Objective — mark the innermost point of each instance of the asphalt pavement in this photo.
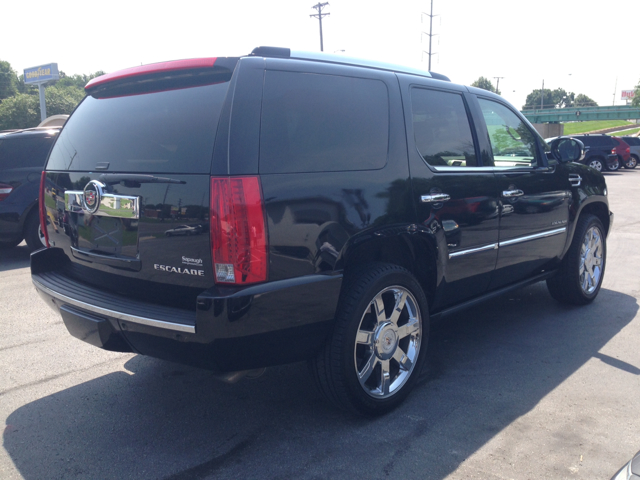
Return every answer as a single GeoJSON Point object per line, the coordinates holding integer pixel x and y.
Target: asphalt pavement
{"type": "Point", "coordinates": [519, 388]}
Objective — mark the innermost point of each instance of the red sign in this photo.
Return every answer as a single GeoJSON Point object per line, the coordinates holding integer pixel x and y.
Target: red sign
{"type": "Point", "coordinates": [628, 94]}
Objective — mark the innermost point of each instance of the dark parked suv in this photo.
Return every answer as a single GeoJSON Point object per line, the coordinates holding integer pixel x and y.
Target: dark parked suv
{"type": "Point", "coordinates": [346, 203]}
{"type": "Point", "coordinates": [600, 152]}
{"type": "Point", "coordinates": [22, 157]}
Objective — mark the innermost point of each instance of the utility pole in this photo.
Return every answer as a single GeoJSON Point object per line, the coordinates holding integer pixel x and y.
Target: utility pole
{"type": "Point", "coordinates": [319, 16]}
{"type": "Point", "coordinates": [430, 34]}
{"type": "Point", "coordinates": [614, 92]}
{"type": "Point", "coordinates": [498, 84]}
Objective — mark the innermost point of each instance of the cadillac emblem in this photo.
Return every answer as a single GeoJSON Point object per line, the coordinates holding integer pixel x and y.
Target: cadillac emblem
{"type": "Point", "coordinates": [92, 196]}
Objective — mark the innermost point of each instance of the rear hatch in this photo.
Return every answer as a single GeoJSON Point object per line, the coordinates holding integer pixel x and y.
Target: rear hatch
{"type": "Point", "coordinates": [127, 183]}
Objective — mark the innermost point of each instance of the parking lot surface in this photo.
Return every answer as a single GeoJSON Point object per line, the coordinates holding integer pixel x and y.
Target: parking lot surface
{"type": "Point", "coordinates": [519, 388]}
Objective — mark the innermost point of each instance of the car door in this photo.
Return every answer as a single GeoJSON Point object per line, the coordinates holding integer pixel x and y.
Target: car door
{"type": "Point", "coordinates": [534, 197]}
{"type": "Point", "coordinates": [453, 193]}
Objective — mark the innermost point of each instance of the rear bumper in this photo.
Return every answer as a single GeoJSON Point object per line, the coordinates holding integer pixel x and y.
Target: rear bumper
{"type": "Point", "coordinates": [229, 328]}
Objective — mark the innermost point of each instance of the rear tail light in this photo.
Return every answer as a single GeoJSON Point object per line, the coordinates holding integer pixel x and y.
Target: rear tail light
{"type": "Point", "coordinates": [238, 230]}
{"type": "Point", "coordinates": [5, 190]}
{"type": "Point", "coordinates": [43, 209]}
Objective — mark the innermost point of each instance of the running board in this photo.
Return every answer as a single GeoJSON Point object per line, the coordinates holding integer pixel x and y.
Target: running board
{"type": "Point", "coordinates": [490, 296]}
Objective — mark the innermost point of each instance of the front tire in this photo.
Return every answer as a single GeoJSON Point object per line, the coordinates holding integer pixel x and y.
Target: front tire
{"type": "Point", "coordinates": [632, 163]}
{"type": "Point", "coordinates": [377, 350]}
{"type": "Point", "coordinates": [582, 270]}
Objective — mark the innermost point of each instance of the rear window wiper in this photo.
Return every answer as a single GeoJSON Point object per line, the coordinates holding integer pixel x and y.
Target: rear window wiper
{"type": "Point", "coordinates": [133, 180]}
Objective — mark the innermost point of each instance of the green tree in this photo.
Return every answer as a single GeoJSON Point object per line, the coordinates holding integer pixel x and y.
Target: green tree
{"type": "Point", "coordinates": [23, 110]}
{"type": "Point", "coordinates": [20, 111]}
{"type": "Point", "coordinates": [557, 98]}
{"type": "Point", "coordinates": [583, 101]}
{"type": "Point", "coordinates": [636, 99]}
{"type": "Point", "coordinates": [8, 81]}
{"type": "Point", "coordinates": [485, 84]}
{"type": "Point", "coordinates": [78, 81]}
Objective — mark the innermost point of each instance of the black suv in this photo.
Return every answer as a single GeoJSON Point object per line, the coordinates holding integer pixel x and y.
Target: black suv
{"type": "Point", "coordinates": [599, 152]}
{"type": "Point", "coordinates": [344, 205]}
{"type": "Point", "coordinates": [22, 157]}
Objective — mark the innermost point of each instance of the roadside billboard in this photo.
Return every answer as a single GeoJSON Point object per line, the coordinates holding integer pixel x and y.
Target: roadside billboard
{"type": "Point", "coordinates": [628, 94]}
{"type": "Point", "coordinates": [41, 73]}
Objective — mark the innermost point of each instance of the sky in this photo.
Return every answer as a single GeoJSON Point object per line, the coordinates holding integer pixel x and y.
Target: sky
{"type": "Point", "coordinates": [577, 45]}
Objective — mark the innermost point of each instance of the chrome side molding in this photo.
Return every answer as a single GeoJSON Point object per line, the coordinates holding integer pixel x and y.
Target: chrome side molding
{"type": "Point", "coordinates": [506, 243]}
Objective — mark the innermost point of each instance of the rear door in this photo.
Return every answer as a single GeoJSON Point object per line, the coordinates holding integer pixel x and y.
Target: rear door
{"type": "Point", "coordinates": [454, 194]}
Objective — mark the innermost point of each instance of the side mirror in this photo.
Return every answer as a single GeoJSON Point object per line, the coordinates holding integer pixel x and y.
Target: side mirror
{"type": "Point", "coordinates": [566, 149]}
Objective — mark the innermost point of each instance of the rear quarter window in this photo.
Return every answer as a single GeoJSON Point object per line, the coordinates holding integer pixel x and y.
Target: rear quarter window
{"type": "Point", "coordinates": [23, 152]}
{"type": "Point", "coordinates": [323, 123]}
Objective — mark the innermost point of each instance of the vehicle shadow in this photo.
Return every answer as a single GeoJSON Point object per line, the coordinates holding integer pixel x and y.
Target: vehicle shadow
{"type": "Point", "coordinates": [16, 257]}
{"type": "Point", "coordinates": [487, 367]}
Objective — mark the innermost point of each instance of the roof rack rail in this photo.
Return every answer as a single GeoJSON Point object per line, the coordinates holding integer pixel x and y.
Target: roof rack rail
{"type": "Point", "coordinates": [279, 52]}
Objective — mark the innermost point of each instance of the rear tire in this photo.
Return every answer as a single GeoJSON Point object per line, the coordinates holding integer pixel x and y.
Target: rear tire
{"type": "Point", "coordinates": [596, 164]}
{"type": "Point", "coordinates": [615, 166]}
{"type": "Point", "coordinates": [33, 233]}
{"type": "Point", "coordinates": [378, 347]}
{"type": "Point", "coordinates": [582, 270]}
{"type": "Point", "coordinates": [632, 163]}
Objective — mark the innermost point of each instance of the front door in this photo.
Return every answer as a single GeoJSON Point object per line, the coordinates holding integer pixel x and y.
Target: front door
{"type": "Point", "coordinates": [534, 197]}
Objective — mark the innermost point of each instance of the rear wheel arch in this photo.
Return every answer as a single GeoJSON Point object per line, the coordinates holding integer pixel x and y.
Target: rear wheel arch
{"type": "Point", "coordinates": [414, 252]}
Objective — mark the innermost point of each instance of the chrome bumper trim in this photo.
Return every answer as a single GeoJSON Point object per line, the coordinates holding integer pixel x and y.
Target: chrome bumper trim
{"type": "Point", "coordinates": [118, 315]}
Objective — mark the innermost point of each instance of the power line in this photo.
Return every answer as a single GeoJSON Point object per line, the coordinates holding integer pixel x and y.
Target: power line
{"type": "Point", "coordinates": [320, 16]}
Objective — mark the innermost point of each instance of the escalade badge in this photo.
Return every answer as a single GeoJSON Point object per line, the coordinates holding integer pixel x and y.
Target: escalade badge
{"type": "Point", "coordinates": [92, 195]}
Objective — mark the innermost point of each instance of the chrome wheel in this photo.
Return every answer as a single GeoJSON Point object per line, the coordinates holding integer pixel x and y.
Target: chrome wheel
{"type": "Point", "coordinates": [591, 260]}
{"type": "Point", "coordinates": [388, 342]}
{"type": "Point", "coordinates": [596, 164]}
{"type": "Point", "coordinates": [632, 162]}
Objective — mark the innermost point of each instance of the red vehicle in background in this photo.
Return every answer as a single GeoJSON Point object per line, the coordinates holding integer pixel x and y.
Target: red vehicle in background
{"type": "Point", "coordinates": [624, 153]}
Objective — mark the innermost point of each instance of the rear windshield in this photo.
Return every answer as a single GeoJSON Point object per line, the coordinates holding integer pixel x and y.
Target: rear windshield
{"type": "Point", "coordinates": [169, 131]}
{"type": "Point", "coordinates": [25, 151]}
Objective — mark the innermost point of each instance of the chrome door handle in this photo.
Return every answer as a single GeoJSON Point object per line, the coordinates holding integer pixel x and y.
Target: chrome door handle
{"type": "Point", "coordinates": [575, 179]}
{"type": "Point", "coordinates": [435, 198]}
{"type": "Point", "coordinates": [512, 193]}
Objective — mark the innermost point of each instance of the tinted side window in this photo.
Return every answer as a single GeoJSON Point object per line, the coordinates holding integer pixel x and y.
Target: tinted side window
{"type": "Point", "coordinates": [632, 140]}
{"type": "Point", "coordinates": [513, 144]}
{"type": "Point", "coordinates": [323, 123]}
{"type": "Point", "coordinates": [441, 128]}
{"type": "Point", "coordinates": [24, 152]}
